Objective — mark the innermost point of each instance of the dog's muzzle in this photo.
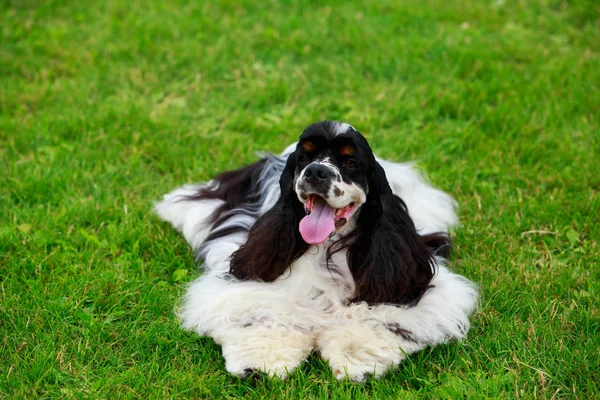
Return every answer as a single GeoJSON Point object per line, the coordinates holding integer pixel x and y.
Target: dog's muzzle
{"type": "Point", "coordinates": [317, 179]}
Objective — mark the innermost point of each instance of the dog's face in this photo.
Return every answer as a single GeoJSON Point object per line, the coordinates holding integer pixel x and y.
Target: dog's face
{"type": "Point", "coordinates": [330, 178]}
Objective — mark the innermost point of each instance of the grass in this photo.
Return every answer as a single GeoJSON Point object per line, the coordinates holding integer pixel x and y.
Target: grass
{"type": "Point", "coordinates": [105, 106]}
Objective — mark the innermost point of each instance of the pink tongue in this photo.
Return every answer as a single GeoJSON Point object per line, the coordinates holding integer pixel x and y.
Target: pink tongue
{"type": "Point", "coordinates": [316, 227]}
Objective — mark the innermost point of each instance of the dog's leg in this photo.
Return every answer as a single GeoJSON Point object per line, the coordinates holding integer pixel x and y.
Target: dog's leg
{"type": "Point", "coordinates": [357, 349]}
{"type": "Point", "coordinates": [367, 340]}
{"type": "Point", "coordinates": [259, 325]}
{"type": "Point", "coordinates": [274, 350]}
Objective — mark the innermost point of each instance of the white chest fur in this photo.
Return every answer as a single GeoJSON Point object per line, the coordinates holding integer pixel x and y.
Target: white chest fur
{"type": "Point", "coordinates": [319, 282]}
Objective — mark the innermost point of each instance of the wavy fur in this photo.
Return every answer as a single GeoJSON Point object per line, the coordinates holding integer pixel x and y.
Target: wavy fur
{"type": "Point", "coordinates": [371, 294]}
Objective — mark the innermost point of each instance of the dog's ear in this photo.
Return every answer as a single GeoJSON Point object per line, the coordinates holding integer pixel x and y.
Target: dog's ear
{"type": "Point", "coordinates": [389, 261]}
{"type": "Point", "coordinates": [274, 242]}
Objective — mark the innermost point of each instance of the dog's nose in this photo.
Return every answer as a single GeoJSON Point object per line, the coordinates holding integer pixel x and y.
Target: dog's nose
{"type": "Point", "coordinates": [318, 172]}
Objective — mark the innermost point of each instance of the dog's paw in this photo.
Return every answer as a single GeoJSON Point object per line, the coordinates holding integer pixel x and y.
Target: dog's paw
{"type": "Point", "coordinates": [257, 371]}
{"type": "Point", "coordinates": [275, 351]}
{"type": "Point", "coordinates": [358, 352]}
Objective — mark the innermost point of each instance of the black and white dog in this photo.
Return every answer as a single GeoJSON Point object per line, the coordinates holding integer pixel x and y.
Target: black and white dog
{"type": "Point", "coordinates": [323, 248]}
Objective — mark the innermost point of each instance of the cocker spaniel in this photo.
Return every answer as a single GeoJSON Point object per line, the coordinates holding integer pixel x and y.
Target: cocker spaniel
{"type": "Point", "coordinates": [324, 248]}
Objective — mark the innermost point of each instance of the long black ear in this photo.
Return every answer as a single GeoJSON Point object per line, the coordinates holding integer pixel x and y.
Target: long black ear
{"type": "Point", "coordinates": [389, 261]}
{"type": "Point", "coordinates": [274, 242]}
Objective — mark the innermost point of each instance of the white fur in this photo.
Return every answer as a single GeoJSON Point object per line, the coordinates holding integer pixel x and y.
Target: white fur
{"type": "Point", "coordinates": [188, 217]}
{"type": "Point", "coordinates": [274, 326]}
{"type": "Point", "coordinates": [430, 209]}
{"type": "Point", "coordinates": [342, 127]}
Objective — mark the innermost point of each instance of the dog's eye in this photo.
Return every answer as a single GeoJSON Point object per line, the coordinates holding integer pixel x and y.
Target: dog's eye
{"type": "Point", "coordinates": [351, 164]}
{"type": "Point", "coordinates": [309, 147]}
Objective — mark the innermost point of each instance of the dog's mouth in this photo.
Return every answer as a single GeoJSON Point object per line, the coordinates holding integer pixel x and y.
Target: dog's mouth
{"type": "Point", "coordinates": [322, 220]}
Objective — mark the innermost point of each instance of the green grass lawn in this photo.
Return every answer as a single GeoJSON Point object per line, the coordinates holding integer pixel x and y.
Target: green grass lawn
{"type": "Point", "coordinates": [107, 105]}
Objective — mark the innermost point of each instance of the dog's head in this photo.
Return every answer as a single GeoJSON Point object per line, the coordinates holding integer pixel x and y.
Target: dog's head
{"type": "Point", "coordinates": [332, 184]}
{"type": "Point", "coordinates": [331, 178]}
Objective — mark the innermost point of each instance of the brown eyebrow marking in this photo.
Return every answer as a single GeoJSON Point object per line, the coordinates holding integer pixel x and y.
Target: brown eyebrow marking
{"type": "Point", "coordinates": [347, 150]}
{"type": "Point", "coordinates": [309, 147]}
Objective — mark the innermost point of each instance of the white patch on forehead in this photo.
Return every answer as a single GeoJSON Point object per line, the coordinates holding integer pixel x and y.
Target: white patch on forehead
{"type": "Point", "coordinates": [342, 127]}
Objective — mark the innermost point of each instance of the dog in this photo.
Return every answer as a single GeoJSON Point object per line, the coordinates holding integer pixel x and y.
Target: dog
{"type": "Point", "coordinates": [324, 248]}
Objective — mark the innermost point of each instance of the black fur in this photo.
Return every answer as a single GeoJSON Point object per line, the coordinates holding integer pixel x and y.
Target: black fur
{"type": "Point", "coordinates": [240, 191]}
{"type": "Point", "coordinates": [274, 242]}
{"type": "Point", "coordinates": [233, 187]}
{"type": "Point", "coordinates": [389, 261]}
